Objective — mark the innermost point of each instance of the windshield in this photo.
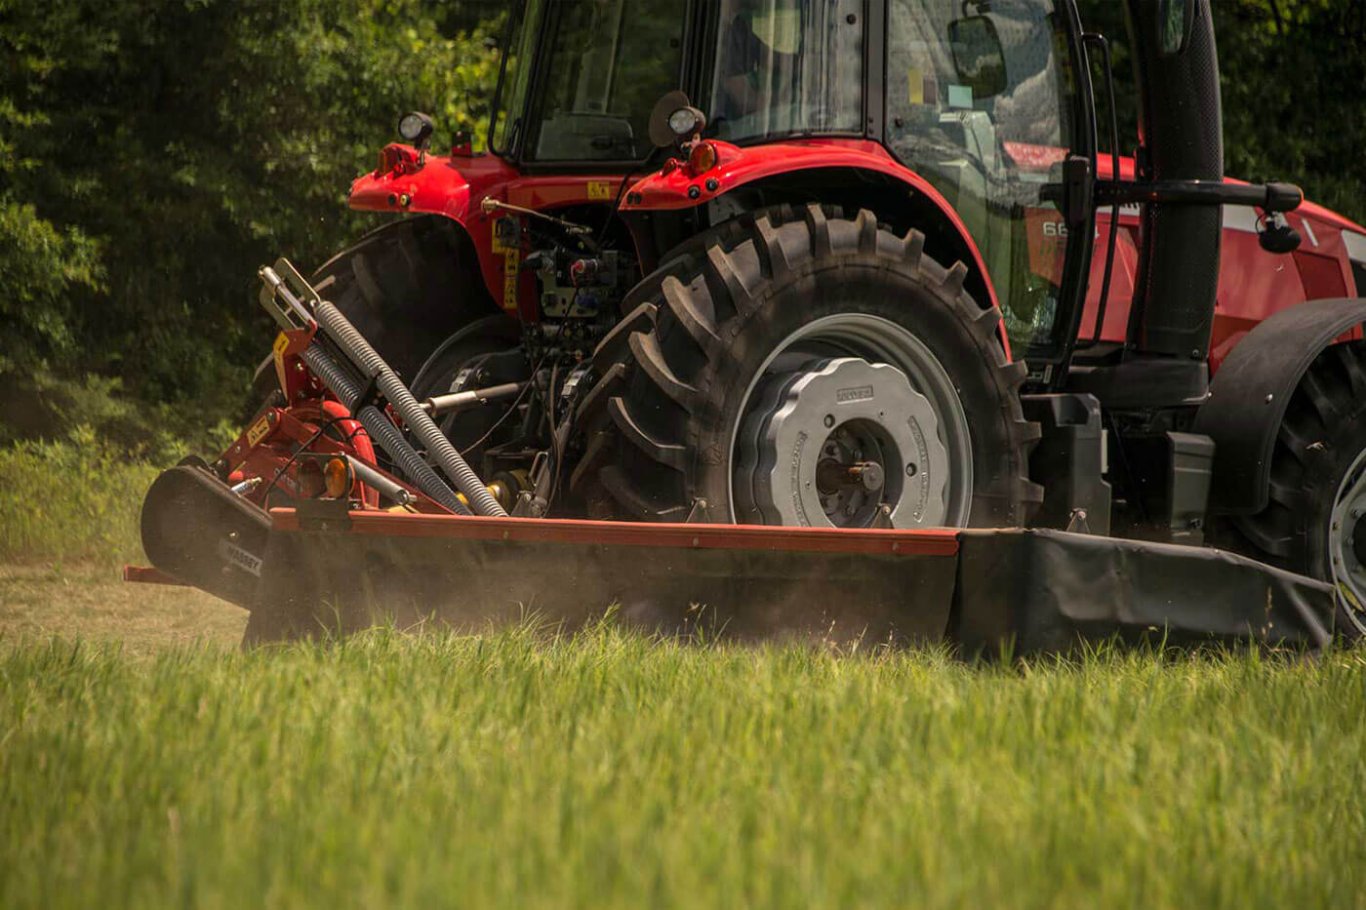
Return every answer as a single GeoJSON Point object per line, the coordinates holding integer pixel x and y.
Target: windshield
{"type": "Point", "coordinates": [607, 63]}
{"type": "Point", "coordinates": [788, 66]}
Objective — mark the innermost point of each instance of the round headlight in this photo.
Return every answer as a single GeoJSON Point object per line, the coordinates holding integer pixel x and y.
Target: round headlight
{"type": "Point", "coordinates": [686, 121]}
{"type": "Point", "coordinates": [415, 127]}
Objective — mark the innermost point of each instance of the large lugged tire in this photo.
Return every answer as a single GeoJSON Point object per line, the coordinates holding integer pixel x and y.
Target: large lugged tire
{"type": "Point", "coordinates": [407, 287]}
{"type": "Point", "coordinates": [724, 381]}
{"type": "Point", "coordinates": [1315, 519]}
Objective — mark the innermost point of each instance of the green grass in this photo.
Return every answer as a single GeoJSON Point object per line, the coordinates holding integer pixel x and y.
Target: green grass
{"type": "Point", "coordinates": [76, 499]}
{"type": "Point", "coordinates": [145, 762]}
{"type": "Point", "coordinates": [607, 770]}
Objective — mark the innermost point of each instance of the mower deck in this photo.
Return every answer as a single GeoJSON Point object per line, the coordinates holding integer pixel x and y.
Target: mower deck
{"type": "Point", "coordinates": [323, 570]}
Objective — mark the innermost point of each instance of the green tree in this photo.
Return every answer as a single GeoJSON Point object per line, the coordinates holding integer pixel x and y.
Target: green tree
{"type": "Point", "coordinates": [1291, 75]}
{"type": "Point", "coordinates": [153, 153]}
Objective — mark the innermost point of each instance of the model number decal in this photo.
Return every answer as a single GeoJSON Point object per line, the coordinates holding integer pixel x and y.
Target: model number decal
{"type": "Point", "coordinates": [234, 555]}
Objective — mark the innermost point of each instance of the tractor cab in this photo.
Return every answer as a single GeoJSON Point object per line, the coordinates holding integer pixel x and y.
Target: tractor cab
{"type": "Point", "coordinates": [979, 100]}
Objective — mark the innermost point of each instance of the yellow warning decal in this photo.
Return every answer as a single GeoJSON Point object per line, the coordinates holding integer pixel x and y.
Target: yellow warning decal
{"type": "Point", "coordinates": [511, 263]}
{"type": "Point", "coordinates": [600, 190]}
{"type": "Point", "coordinates": [277, 351]}
{"type": "Point", "coordinates": [497, 244]}
{"type": "Point", "coordinates": [259, 430]}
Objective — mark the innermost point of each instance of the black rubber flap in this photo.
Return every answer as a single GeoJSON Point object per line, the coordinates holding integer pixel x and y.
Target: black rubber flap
{"type": "Point", "coordinates": [316, 581]}
{"type": "Point", "coordinates": [197, 530]}
{"type": "Point", "coordinates": [1045, 590]}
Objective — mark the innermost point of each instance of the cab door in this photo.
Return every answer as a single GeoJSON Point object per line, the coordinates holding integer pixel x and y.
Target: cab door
{"type": "Point", "coordinates": [988, 101]}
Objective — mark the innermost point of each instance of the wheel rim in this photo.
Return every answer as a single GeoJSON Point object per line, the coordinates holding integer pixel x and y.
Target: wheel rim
{"type": "Point", "coordinates": [1347, 541]}
{"type": "Point", "coordinates": [851, 421]}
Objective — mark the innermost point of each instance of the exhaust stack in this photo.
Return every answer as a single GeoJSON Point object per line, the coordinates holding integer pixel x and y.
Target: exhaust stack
{"type": "Point", "coordinates": [1181, 135]}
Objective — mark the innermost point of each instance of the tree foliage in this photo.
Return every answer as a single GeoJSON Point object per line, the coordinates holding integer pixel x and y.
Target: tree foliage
{"type": "Point", "coordinates": [154, 153]}
{"type": "Point", "coordinates": [1291, 77]}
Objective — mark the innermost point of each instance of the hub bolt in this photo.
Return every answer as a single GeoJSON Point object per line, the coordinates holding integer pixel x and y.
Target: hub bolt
{"type": "Point", "coordinates": [911, 470]}
{"type": "Point", "coordinates": [829, 421]}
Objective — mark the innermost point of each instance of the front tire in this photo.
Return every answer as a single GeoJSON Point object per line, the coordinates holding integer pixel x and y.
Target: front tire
{"type": "Point", "coordinates": [1314, 522]}
{"type": "Point", "coordinates": [802, 369]}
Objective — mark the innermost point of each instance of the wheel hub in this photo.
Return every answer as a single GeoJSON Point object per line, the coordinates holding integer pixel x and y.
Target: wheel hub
{"type": "Point", "coordinates": [1347, 538]}
{"type": "Point", "coordinates": [836, 442]}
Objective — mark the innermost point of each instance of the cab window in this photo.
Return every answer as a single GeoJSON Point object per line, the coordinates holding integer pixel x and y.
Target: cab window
{"type": "Point", "coordinates": [609, 62]}
{"type": "Point", "coordinates": [787, 67]}
{"type": "Point", "coordinates": [979, 102]}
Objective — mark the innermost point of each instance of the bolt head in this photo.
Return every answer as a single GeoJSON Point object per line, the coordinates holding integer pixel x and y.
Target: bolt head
{"type": "Point", "coordinates": [829, 421]}
{"type": "Point", "coordinates": [912, 470]}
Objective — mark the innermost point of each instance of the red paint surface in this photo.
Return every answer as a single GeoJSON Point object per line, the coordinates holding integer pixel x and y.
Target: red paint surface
{"type": "Point", "coordinates": [455, 187]}
{"type": "Point", "coordinates": [149, 575]}
{"type": "Point", "coordinates": [668, 188]}
{"type": "Point", "coordinates": [1253, 284]}
{"type": "Point", "coordinates": [933, 542]}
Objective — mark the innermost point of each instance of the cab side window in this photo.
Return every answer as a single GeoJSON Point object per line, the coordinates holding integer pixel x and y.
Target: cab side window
{"type": "Point", "coordinates": [979, 102]}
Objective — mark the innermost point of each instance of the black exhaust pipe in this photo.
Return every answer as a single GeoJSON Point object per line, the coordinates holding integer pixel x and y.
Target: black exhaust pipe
{"type": "Point", "coordinates": [1181, 135]}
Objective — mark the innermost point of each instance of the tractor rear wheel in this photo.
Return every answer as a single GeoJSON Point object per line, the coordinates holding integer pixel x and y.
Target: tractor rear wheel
{"type": "Point", "coordinates": [814, 370]}
{"type": "Point", "coordinates": [1314, 522]}
{"type": "Point", "coordinates": [407, 287]}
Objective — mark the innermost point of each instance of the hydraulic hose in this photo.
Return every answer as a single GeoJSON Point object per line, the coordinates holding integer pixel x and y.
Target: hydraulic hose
{"type": "Point", "coordinates": [382, 430]}
{"type": "Point", "coordinates": [354, 345]}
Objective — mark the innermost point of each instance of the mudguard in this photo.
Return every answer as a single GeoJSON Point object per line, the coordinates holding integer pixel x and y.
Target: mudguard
{"type": "Point", "coordinates": [674, 187]}
{"type": "Point", "coordinates": [1252, 390]}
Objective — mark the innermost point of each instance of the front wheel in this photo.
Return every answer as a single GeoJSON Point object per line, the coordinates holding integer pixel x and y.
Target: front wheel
{"type": "Point", "coordinates": [1314, 522]}
{"type": "Point", "coordinates": [816, 371]}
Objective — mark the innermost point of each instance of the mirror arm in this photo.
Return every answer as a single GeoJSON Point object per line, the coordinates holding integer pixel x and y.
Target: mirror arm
{"type": "Point", "coordinates": [1270, 197]}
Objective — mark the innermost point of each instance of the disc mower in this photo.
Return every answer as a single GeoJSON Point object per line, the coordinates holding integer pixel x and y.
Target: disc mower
{"type": "Point", "coordinates": [844, 318]}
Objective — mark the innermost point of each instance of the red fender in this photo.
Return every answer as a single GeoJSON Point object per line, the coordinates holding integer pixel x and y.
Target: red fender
{"type": "Point", "coordinates": [453, 186]}
{"type": "Point", "coordinates": [675, 187]}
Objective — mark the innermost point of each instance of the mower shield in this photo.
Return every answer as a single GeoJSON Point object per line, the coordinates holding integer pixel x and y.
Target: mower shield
{"type": "Point", "coordinates": [324, 570]}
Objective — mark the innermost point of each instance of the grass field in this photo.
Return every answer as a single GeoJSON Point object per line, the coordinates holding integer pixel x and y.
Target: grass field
{"type": "Point", "coordinates": [146, 762]}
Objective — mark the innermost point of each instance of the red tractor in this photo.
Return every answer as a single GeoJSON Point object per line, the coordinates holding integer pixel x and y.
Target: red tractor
{"type": "Point", "coordinates": [845, 264]}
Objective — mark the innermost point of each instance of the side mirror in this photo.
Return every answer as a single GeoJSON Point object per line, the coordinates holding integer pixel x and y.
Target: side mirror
{"type": "Point", "coordinates": [1275, 235]}
{"type": "Point", "coordinates": [978, 56]}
